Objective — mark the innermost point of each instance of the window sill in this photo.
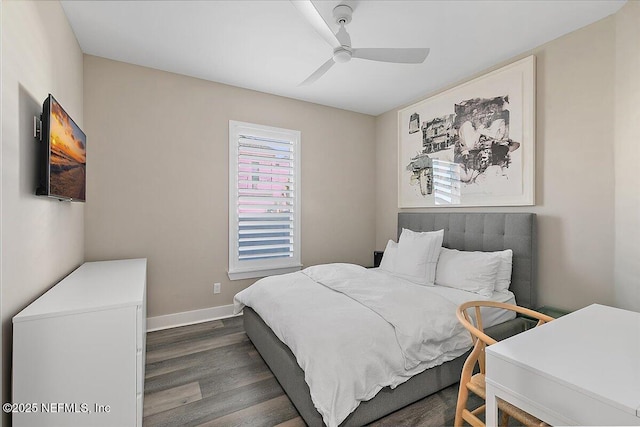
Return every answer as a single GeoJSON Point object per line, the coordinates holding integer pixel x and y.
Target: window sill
{"type": "Point", "coordinates": [239, 275]}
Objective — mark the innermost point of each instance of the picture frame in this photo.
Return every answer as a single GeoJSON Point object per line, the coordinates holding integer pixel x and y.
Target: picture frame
{"type": "Point", "coordinates": [472, 145]}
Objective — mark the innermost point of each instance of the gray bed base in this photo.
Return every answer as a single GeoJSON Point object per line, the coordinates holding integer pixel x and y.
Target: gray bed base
{"type": "Point", "coordinates": [463, 231]}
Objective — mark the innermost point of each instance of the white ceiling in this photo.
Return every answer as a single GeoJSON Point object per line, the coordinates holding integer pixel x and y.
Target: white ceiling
{"type": "Point", "coordinates": [268, 46]}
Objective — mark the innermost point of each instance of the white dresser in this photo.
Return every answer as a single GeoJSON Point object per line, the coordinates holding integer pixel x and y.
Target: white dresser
{"type": "Point", "coordinates": [79, 349]}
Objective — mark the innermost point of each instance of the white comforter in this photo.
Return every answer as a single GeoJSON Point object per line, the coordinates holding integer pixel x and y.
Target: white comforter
{"type": "Point", "coordinates": [354, 331]}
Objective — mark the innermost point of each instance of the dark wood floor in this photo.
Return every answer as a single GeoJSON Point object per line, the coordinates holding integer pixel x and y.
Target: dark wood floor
{"type": "Point", "coordinates": [211, 375]}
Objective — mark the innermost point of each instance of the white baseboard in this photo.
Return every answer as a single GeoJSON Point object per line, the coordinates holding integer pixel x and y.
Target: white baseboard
{"type": "Point", "coordinates": [189, 317]}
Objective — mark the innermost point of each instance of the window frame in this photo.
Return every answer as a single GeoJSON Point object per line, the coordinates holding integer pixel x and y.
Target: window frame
{"type": "Point", "coordinates": [261, 268]}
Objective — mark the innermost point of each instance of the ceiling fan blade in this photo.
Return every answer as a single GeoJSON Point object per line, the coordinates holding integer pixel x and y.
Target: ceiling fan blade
{"type": "Point", "coordinates": [311, 14]}
{"type": "Point", "coordinates": [401, 55]}
{"type": "Point", "coordinates": [318, 73]}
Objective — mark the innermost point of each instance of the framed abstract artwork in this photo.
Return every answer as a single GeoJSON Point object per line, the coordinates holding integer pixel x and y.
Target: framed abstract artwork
{"type": "Point", "coordinates": [473, 145]}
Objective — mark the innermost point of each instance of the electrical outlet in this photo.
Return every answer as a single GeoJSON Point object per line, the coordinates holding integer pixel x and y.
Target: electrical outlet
{"type": "Point", "coordinates": [216, 288]}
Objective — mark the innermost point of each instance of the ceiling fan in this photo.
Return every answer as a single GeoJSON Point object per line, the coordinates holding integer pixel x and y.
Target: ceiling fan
{"type": "Point", "coordinates": [341, 41]}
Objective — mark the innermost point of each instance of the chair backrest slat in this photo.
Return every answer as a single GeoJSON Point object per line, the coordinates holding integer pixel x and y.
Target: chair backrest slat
{"type": "Point", "coordinates": [475, 326]}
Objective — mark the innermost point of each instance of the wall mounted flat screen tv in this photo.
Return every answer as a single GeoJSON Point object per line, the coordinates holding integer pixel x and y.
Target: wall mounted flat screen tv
{"type": "Point", "coordinates": [63, 155]}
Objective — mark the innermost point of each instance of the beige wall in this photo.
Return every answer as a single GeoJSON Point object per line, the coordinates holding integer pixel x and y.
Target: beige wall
{"type": "Point", "coordinates": [158, 178]}
{"type": "Point", "coordinates": [574, 168]}
{"type": "Point", "coordinates": [627, 157]}
{"type": "Point", "coordinates": [42, 239]}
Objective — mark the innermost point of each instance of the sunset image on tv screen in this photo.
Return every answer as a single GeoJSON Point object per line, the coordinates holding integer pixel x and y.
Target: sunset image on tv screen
{"type": "Point", "coordinates": [67, 157]}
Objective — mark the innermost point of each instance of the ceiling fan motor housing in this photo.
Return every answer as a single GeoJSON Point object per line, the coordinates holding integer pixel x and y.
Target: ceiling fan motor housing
{"type": "Point", "coordinates": [342, 55]}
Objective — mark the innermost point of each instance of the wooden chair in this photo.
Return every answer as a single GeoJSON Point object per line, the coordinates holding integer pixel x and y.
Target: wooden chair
{"type": "Point", "coordinates": [476, 383]}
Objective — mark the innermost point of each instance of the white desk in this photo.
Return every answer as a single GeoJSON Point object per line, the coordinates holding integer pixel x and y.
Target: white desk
{"type": "Point", "coordinates": [581, 369]}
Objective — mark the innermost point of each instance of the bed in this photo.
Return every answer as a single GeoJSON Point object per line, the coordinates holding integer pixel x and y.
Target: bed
{"type": "Point", "coordinates": [462, 231]}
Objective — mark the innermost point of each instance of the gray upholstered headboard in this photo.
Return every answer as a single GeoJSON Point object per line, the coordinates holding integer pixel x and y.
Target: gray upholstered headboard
{"type": "Point", "coordinates": [487, 232]}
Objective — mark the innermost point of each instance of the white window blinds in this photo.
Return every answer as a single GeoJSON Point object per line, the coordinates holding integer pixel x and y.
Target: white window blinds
{"type": "Point", "coordinates": [264, 231]}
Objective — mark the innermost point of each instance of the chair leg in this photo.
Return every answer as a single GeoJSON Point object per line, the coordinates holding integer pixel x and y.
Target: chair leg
{"type": "Point", "coordinates": [504, 419]}
{"type": "Point", "coordinates": [463, 394]}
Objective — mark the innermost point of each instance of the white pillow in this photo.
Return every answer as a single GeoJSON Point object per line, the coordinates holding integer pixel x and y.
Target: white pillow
{"type": "Point", "coordinates": [417, 255]}
{"type": "Point", "coordinates": [503, 278]}
{"type": "Point", "coordinates": [388, 262]}
{"type": "Point", "coordinates": [469, 271]}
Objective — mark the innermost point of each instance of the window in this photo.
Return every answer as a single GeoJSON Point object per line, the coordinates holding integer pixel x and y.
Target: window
{"type": "Point", "coordinates": [264, 200]}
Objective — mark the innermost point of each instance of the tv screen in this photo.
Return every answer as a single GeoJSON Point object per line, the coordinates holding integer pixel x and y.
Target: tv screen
{"type": "Point", "coordinates": [63, 154]}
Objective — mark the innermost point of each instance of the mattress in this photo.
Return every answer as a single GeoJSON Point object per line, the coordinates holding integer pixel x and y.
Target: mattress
{"type": "Point", "coordinates": [397, 329]}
